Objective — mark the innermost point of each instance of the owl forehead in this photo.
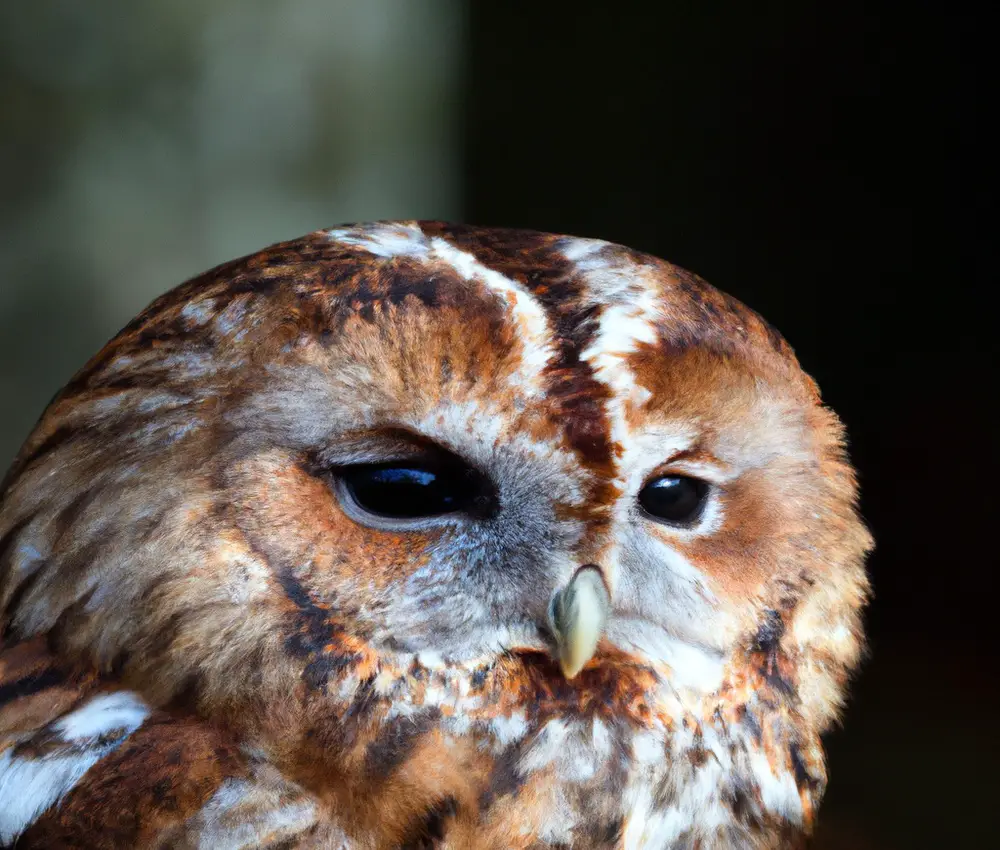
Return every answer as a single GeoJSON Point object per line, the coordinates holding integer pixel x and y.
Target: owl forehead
{"type": "Point", "coordinates": [592, 340]}
{"type": "Point", "coordinates": [600, 337]}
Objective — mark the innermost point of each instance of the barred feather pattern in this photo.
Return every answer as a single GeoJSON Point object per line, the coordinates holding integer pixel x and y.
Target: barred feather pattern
{"type": "Point", "coordinates": [204, 645]}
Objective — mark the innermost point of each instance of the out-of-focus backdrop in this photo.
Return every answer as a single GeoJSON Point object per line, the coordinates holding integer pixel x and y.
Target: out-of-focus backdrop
{"type": "Point", "coordinates": [142, 143]}
{"type": "Point", "coordinates": [824, 163]}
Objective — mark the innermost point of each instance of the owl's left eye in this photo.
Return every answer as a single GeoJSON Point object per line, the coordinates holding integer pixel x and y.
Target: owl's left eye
{"type": "Point", "coordinates": [675, 499]}
{"type": "Point", "coordinates": [410, 491]}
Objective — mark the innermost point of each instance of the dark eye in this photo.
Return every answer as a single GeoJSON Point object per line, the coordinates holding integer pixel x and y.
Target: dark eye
{"type": "Point", "coordinates": [410, 491]}
{"type": "Point", "coordinates": [676, 499]}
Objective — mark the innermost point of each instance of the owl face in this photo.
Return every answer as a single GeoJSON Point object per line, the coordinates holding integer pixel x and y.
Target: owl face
{"type": "Point", "coordinates": [495, 536]}
{"type": "Point", "coordinates": [407, 440]}
{"type": "Point", "coordinates": [431, 478]}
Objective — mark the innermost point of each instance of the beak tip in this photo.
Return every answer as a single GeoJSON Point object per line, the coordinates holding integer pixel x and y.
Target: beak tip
{"type": "Point", "coordinates": [578, 615]}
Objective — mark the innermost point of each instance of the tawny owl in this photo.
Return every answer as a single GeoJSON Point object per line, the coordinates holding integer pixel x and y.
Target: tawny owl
{"type": "Point", "coordinates": [420, 535]}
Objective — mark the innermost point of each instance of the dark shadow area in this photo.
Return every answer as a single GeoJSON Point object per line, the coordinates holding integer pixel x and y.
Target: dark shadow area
{"type": "Point", "coordinates": [827, 167]}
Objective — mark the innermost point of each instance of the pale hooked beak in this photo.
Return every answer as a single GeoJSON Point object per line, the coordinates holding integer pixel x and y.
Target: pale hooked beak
{"type": "Point", "coordinates": [578, 614]}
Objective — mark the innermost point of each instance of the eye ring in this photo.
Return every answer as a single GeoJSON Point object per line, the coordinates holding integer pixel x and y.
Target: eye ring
{"type": "Point", "coordinates": [674, 500]}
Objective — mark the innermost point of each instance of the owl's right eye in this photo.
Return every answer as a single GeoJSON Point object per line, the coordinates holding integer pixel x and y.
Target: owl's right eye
{"type": "Point", "coordinates": [411, 491]}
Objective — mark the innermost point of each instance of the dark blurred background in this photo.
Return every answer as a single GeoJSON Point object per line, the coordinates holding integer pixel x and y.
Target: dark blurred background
{"type": "Point", "coordinates": [828, 166]}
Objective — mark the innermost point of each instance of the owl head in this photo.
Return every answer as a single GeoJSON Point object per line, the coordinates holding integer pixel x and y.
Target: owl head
{"type": "Point", "coordinates": [418, 440]}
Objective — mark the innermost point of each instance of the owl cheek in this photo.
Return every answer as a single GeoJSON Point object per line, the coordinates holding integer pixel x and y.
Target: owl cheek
{"type": "Point", "coordinates": [731, 569]}
{"type": "Point", "coordinates": [742, 551]}
{"type": "Point", "coordinates": [292, 519]}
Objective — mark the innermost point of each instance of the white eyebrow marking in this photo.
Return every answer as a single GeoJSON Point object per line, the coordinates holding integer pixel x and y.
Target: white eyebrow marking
{"type": "Point", "coordinates": [529, 315]}
{"type": "Point", "coordinates": [630, 293]}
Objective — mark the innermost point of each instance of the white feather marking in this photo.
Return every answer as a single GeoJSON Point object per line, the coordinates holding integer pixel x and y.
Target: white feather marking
{"type": "Point", "coordinates": [546, 747]}
{"type": "Point", "coordinates": [245, 814]}
{"type": "Point", "coordinates": [690, 666]}
{"type": "Point", "coordinates": [600, 739]}
{"type": "Point", "coordinates": [639, 803]}
{"type": "Point", "coordinates": [528, 313]}
{"type": "Point", "coordinates": [385, 240]}
{"type": "Point", "coordinates": [458, 724]}
{"type": "Point", "coordinates": [430, 659]}
{"type": "Point", "coordinates": [199, 312]}
{"type": "Point", "coordinates": [394, 240]}
{"type": "Point", "coordinates": [577, 250]}
{"type": "Point", "coordinates": [507, 729]}
{"type": "Point", "coordinates": [120, 710]}
{"type": "Point", "coordinates": [632, 295]}
{"type": "Point", "coordinates": [434, 695]}
{"type": "Point", "coordinates": [778, 793]}
{"type": "Point", "coordinates": [401, 708]}
{"type": "Point", "coordinates": [31, 785]}
{"type": "Point", "coordinates": [648, 748]}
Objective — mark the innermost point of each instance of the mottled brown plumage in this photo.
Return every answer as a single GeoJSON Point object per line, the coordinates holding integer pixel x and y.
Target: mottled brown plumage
{"type": "Point", "coordinates": [210, 640]}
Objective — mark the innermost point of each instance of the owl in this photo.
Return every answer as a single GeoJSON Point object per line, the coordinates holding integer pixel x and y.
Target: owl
{"type": "Point", "coordinates": [413, 535]}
